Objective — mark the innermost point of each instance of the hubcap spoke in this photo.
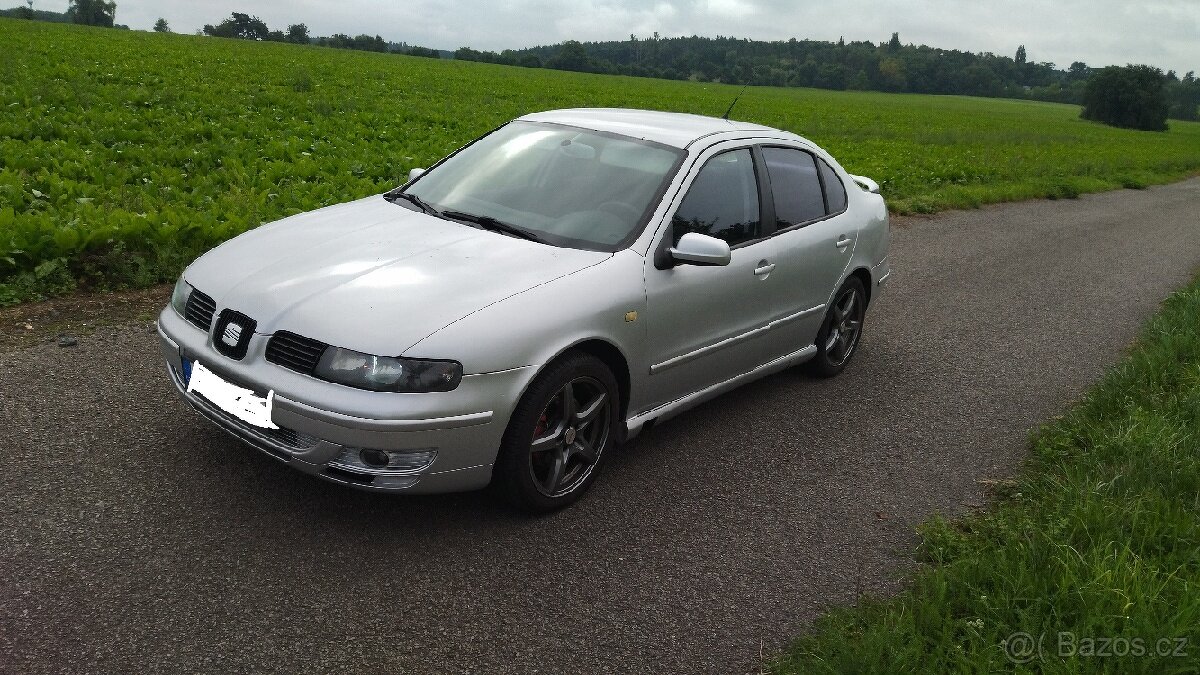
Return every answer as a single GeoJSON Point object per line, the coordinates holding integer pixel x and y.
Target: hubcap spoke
{"type": "Point", "coordinates": [568, 401]}
{"type": "Point", "coordinates": [548, 441]}
{"type": "Point", "coordinates": [584, 450]}
{"type": "Point", "coordinates": [555, 472]}
{"type": "Point", "coordinates": [849, 303]}
{"type": "Point", "coordinates": [585, 416]}
{"type": "Point", "coordinates": [833, 339]}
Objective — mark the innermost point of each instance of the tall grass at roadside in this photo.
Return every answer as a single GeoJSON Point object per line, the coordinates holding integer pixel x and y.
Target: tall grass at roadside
{"type": "Point", "coordinates": [1089, 560]}
{"type": "Point", "coordinates": [124, 154]}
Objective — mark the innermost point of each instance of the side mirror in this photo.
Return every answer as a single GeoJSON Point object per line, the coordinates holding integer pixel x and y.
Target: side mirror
{"type": "Point", "coordinates": [415, 173]}
{"type": "Point", "coordinates": [700, 249]}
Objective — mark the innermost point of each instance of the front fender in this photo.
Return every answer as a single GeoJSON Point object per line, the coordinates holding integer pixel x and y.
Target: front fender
{"type": "Point", "coordinates": [532, 327]}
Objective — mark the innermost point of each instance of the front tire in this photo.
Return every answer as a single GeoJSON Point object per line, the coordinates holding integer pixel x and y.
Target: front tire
{"type": "Point", "coordinates": [558, 435]}
{"type": "Point", "coordinates": [839, 335]}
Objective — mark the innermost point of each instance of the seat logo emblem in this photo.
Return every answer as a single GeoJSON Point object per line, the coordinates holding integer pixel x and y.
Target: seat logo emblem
{"type": "Point", "coordinates": [232, 334]}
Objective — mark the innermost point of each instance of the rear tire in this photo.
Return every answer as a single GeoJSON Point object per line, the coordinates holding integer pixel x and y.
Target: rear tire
{"type": "Point", "coordinates": [558, 435]}
{"type": "Point", "coordinates": [838, 338]}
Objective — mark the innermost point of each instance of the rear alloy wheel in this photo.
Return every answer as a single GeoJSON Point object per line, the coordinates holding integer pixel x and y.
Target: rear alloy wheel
{"type": "Point", "coordinates": [558, 435]}
{"type": "Point", "coordinates": [839, 335]}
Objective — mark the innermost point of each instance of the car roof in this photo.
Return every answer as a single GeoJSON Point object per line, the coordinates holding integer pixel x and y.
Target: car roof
{"type": "Point", "coordinates": [675, 129]}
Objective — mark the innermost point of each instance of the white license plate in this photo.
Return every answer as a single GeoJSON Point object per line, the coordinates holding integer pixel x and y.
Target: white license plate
{"type": "Point", "coordinates": [237, 401]}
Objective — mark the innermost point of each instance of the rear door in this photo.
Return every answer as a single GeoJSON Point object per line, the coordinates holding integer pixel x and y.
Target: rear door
{"type": "Point", "coordinates": [814, 237]}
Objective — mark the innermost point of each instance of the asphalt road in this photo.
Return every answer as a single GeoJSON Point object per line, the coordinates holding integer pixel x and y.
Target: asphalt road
{"type": "Point", "coordinates": [136, 537]}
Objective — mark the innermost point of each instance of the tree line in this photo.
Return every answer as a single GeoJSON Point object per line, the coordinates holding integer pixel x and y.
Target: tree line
{"type": "Point", "coordinates": [246, 27]}
{"type": "Point", "coordinates": [888, 66]}
{"type": "Point", "coordinates": [85, 12]}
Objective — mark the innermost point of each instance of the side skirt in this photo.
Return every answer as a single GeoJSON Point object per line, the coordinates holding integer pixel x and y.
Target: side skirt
{"type": "Point", "coordinates": [636, 423]}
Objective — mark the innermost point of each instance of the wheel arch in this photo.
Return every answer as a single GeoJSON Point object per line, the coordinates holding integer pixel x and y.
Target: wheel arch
{"type": "Point", "coordinates": [864, 275]}
{"type": "Point", "coordinates": [611, 356]}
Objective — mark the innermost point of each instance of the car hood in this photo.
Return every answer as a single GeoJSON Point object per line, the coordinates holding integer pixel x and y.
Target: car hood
{"type": "Point", "coordinates": [373, 276]}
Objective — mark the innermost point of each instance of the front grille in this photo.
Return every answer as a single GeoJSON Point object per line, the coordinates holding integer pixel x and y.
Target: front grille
{"type": "Point", "coordinates": [231, 335]}
{"type": "Point", "coordinates": [292, 438]}
{"type": "Point", "coordinates": [199, 310]}
{"type": "Point", "coordinates": [296, 352]}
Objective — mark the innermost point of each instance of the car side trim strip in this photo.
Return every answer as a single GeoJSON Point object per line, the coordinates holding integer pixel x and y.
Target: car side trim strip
{"type": "Point", "coordinates": [635, 423]}
{"type": "Point", "coordinates": [730, 341]}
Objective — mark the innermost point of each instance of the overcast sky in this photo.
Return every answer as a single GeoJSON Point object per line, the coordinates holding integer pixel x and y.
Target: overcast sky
{"type": "Point", "coordinates": [1163, 33]}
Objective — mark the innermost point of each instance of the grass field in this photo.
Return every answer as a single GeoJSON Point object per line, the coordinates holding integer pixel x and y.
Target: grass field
{"type": "Point", "coordinates": [1089, 561]}
{"type": "Point", "coordinates": [124, 154]}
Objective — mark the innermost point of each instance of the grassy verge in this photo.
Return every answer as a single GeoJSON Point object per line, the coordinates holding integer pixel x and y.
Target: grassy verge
{"type": "Point", "coordinates": [125, 154]}
{"type": "Point", "coordinates": [1089, 560]}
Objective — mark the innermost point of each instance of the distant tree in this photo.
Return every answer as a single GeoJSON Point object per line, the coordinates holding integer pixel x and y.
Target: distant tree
{"type": "Point", "coordinates": [830, 76]}
{"type": "Point", "coordinates": [571, 56]}
{"type": "Point", "coordinates": [893, 45]}
{"type": "Point", "coordinates": [240, 25]}
{"type": "Point", "coordinates": [466, 54]}
{"type": "Point", "coordinates": [297, 33]}
{"type": "Point", "coordinates": [1131, 97]}
{"type": "Point", "coordinates": [892, 74]}
{"type": "Point", "coordinates": [529, 61]}
{"type": "Point", "coordinates": [24, 12]}
{"type": "Point", "coordinates": [1183, 95]}
{"type": "Point", "coordinates": [92, 12]}
{"type": "Point", "coordinates": [1078, 71]}
{"type": "Point", "coordinates": [161, 26]}
{"type": "Point", "coordinates": [424, 51]}
{"type": "Point", "coordinates": [1020, 59]}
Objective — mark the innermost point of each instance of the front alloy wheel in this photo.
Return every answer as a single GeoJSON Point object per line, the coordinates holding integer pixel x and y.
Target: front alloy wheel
{"type": "Point", "coordinates": [558, 434]}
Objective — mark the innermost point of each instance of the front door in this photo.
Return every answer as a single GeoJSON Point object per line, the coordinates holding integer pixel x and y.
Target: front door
{"type": "Point", "coordinates": [705, 324]}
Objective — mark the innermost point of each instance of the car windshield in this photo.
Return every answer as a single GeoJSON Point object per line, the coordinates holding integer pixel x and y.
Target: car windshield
{"type": "Point", "coordinates": [563, 185]}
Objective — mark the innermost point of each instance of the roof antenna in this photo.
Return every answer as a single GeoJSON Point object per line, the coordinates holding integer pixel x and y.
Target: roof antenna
{"type": "Point", "coordinates": [735, 100]}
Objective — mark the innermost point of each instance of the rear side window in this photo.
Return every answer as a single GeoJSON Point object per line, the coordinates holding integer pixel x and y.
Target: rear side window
{"type": "Point", "coordinates": [796, 186]}
{"type": "Point", "coordinates": [835, 190]}
{"type": "Point", "coordinates": [722, 201]}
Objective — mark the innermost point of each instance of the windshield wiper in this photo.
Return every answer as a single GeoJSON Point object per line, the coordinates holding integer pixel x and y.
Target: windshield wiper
{"type": "Point", "coordinates": [490, 223]}
{"type": "Point", "coordinates": [414, 200]}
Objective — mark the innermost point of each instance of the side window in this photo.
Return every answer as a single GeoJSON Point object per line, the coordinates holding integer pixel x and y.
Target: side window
{"type": "Point", "coordinates": [722, 201]}
{"type": "Point", "coordinates": [835, 190]}
{"type": "Point", "coordinates": [794, 182]}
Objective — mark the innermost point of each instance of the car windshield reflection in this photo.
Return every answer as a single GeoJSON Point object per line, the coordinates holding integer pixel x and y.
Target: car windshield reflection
{"type": "Point", "coordinates": [567, 186]}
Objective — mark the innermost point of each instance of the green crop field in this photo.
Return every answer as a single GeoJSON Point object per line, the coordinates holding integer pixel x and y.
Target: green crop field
{"type": "Point", "coordinates": [123, 154]}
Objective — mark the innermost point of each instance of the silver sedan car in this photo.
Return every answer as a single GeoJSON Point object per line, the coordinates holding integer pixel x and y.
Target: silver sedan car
{"type": "Point", "coordinates": [545, 292]}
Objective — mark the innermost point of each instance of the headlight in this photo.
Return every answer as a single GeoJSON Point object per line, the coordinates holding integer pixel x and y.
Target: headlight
{"type": "Point", "coordinates": [179, 296]}
{"type": "Point", "coordinates": [385, 373]}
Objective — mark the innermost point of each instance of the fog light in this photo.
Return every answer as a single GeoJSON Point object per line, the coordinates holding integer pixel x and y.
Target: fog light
{"type": "Point", "coordinates": [374, 458]}
{"type": "Point", "coordinates": [384, 462]}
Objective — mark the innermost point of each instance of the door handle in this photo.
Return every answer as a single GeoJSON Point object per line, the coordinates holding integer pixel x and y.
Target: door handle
{"type": "Point", "coordinates": [843, 241]}
{"type": "Point", "coordinates": [763, 268]}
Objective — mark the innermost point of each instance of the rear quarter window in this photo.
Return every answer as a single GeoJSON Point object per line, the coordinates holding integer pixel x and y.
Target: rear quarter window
{"type": "Point", "coordinates": [835, 189]}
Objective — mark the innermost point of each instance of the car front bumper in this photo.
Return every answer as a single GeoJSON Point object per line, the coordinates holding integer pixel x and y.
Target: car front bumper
{"type": "Point", "coordinates": [318, 438]}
